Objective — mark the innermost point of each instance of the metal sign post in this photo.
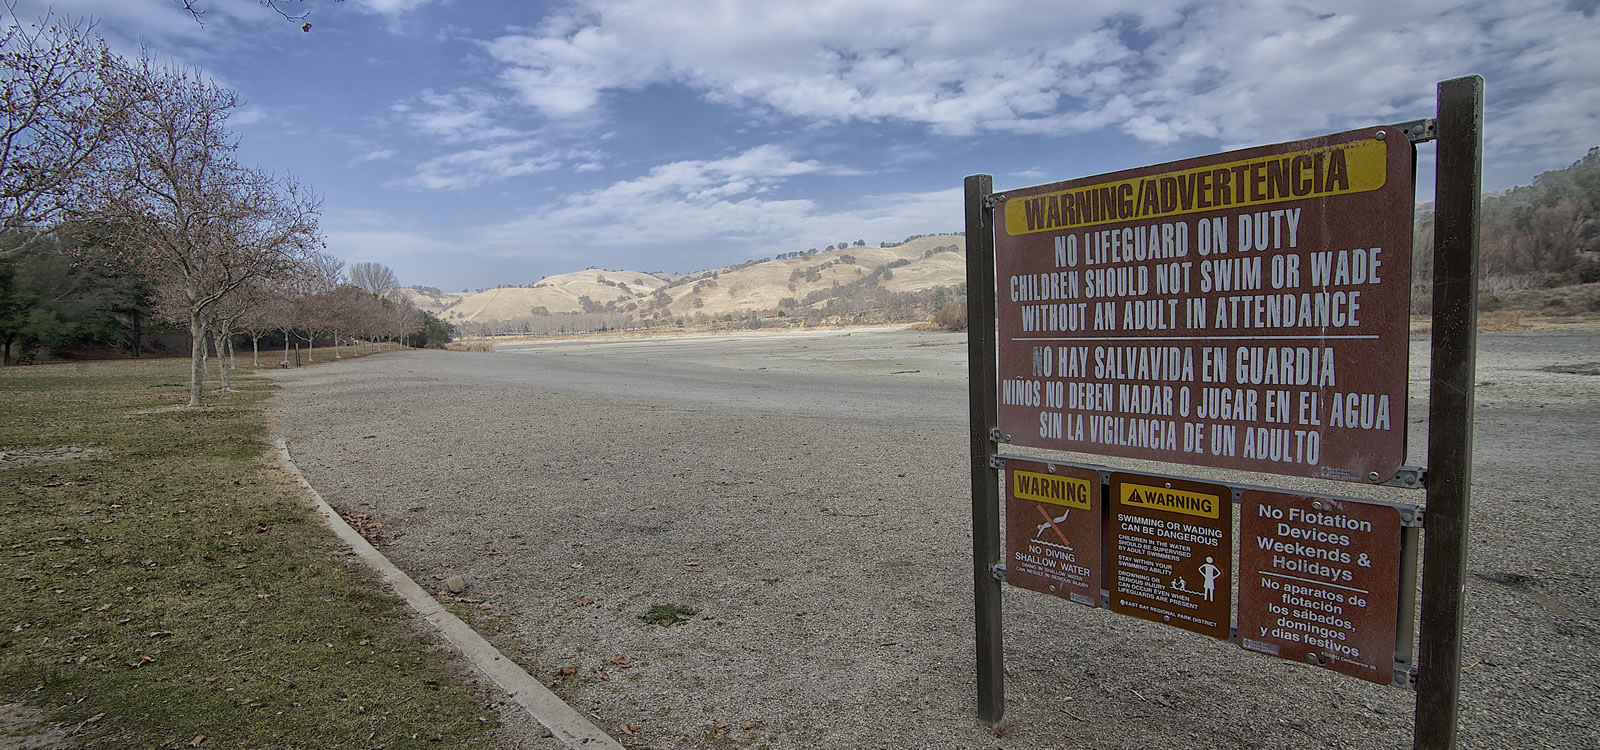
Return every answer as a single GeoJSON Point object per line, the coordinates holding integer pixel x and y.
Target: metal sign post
{"type": "Point", "coordinates": [1458, 196]}
{"type": "Point", "coordinates": [981, 380]}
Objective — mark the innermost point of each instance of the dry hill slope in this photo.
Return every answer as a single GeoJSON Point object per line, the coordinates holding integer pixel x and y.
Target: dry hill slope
{"type": "Point", "coordinates": [899, 282]}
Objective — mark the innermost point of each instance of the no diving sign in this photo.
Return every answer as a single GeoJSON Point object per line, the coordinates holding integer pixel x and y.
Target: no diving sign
{"type": "Point", "coordinates": [1053, 530]}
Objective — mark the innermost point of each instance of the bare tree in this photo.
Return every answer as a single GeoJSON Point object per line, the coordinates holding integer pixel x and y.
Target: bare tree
{"type": "Point", "coordinates": [281, 6]}
{"type": "Point", "coordinates": [269, 312]}
{"type": "Point", "coordinates": [312, 306]}
{"type": "Point", "coordinates": [376, 279]}
{"type": "Point", "coordinates": [63, 96]}
{"type": "Point", "coordinates": [205, 225]}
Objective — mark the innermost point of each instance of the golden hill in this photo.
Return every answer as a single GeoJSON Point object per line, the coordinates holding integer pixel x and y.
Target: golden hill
{"type": "Point", "coordinates": [849, 280]}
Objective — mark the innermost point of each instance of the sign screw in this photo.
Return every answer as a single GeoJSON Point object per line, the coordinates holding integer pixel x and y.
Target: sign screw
{"type": "Point", "coordinates": [1317, 505]}
{"type": "Point", "coordinates": [1312, 658]}
{"type": "Point", "coordinates": [1382, 134]}
{"type": "Point", "coordinates": [1373, 476]}
{"type": "Point", "coordinates": [1168, 485]}
{"type": "Point", "coordinates": [1051, 467]}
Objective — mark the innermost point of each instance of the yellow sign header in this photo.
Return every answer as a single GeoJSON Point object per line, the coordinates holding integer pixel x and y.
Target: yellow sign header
{"type": "Point", "coordinates": [1199, 504]}
{"type": "Point", "coordinates": [1341, 169]}
{"type": "Point", "coordinates": [1047, 488]}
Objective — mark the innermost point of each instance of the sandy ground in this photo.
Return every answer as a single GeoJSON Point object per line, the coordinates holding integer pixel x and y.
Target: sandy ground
{"type": "Point", "coordinates": [807, 493]}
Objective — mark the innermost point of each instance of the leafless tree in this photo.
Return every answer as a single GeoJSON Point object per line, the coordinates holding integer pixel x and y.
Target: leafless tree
{"type": "Point", "coordinates": [205, 225]}
{"type": "Point", "coordinates": [63, 96]}
{"type": "Point", "coordinates": [376, 279]}
{"type": "Point", "coordinates": [281, 6]}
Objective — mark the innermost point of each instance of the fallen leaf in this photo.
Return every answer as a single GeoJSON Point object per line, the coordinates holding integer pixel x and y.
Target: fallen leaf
{"type": "Point", "coordinates": [569, 671]}
{"type": "Point", "coordinates": [577, 566]}
{"type": "Point", "coordinates": [485, 605]}
{"type": "Point", "coordinates": [720, 724]}
{"type": "Point", "coordinates": [158, 634]}
{"type": "Point", "coordinates": [901, 474]}
{"type": "Point", "coordinates": [622, 660]}
{"type": "Point", "coordinates": [102, 608]}
{"type": "Point", "coordinates": [198, 740]}
{"type": "Point", "coordinates": [584, 602]}
{"type": "Point", "coordinates": [604, 675]}
{"type": "Point", "coordinates": [630, 728]}
{"type": "Point", "coordinates": [750, 725]}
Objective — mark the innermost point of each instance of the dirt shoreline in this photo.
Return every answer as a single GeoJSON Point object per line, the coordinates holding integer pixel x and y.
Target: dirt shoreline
{"type": "Point", "coordinates": [807, 495]}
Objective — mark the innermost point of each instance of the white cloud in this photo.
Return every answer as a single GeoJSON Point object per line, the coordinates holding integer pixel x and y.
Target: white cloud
{"type": "Point", "coordinates": [694, 203]}
{"type": "Point", "coordinates": [457, 116]}
{"type": "Point", "coordinates": [247, 116]}
{"type": "Point", "coordinates": [1242, 72]}
{"type": "Point", "coordinates": [390, 7]}
{"type": "Point", "coordinates": [377, 154]}
{"type": "Point", "coordinates": [476, 166]}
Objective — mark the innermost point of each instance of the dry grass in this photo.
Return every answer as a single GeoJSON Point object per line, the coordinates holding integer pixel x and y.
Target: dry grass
{"type": "Point", "coordinates": [168, 583]}
{"type": "Point", "coordinates": [470, 346]}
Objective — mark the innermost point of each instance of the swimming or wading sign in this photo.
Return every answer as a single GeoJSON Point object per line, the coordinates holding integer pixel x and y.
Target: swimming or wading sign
{"type": "Point", "coordinates": [1245, 310]}
{"type": "Point", "coordinates": [1171, 552]}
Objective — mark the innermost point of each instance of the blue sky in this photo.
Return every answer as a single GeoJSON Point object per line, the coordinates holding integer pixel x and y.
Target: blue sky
{"type": "Point", "coordinates": [474, 143]}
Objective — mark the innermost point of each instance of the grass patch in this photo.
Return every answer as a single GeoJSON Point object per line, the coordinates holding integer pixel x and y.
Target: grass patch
{"type": "Point", "coordinates": [161, 580]}
{"type": "Point", "coordinates": [667, 615]}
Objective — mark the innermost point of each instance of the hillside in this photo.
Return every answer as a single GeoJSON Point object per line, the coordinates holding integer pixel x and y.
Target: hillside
{"type": "Point", "coordinates": [858, 284]}
{"type": "Point", "coordinates": [811, 281]}
{"type": "Point", "coordinates": [581, 291]}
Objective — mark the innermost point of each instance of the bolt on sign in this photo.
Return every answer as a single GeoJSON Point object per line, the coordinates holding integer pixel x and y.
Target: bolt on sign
{"type": "Point", "coordinates": [1053, 533]}
{"type": "Point", "coordinates": [1245, 310]}
{"type": "Point", "coordinates": [1171, 553]}
{"type": "Point", "coordinates": [1319, 581]}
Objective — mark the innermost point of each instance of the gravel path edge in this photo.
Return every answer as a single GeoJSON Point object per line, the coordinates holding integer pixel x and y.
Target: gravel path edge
{"type": "Point", "coordinates": [562, 720]}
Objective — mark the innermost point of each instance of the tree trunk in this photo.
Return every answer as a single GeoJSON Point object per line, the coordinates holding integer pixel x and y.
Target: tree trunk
{"type": "Point", "coordinates": [255, 352]}
{"type": "Point", "coordinates": [197, 358]}
{"type": "Point", "coordinates": [336, 345]}
{"type": "Point", "coordinates": [222, 361]}
{"type": "Point", "coordinates": [286, 348]}
{"type": "Point", "coordinates": [233, 364]}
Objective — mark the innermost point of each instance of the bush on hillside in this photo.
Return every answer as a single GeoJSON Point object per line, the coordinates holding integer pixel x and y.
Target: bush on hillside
{"type": "Point", "coordinates": [952, 316]}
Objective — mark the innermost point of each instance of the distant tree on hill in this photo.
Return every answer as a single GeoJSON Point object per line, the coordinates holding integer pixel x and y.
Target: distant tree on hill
{"type": "Point", "coordinates": [375, 279]}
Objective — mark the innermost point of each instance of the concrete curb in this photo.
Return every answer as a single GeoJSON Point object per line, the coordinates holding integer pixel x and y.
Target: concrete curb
{"type": "Point", "coordinates": [562, 720]}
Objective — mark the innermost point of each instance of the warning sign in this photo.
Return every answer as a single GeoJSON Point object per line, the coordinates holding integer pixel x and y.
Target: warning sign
{"type": "Point", "coordinates": [1319, 581]}
{"type": "Point", "coordinates": [1246, 310]}
{"type": "Point", "coordinates": [1053, 537]}
{"type": "Point", "coordinates": [1172, 552]}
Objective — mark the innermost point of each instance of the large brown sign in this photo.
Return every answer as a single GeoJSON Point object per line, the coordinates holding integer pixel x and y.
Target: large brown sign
{"type": "Point", "coordinates": [1053, 536]}
{"type": "Point", "coordinates": [1319, 581]}
{"type": "Point", "coordinates": [1246, 310]}
{"type": "Point", "coordinates": [1171, 553]}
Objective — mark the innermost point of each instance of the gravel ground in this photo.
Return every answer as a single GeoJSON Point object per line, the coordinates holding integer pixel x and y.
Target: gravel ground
{"type": "Point", "coordinates": [807, 493]}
